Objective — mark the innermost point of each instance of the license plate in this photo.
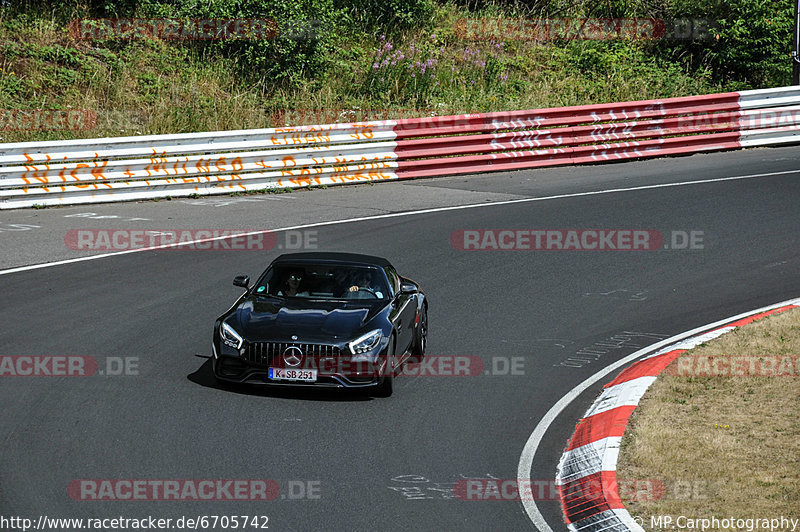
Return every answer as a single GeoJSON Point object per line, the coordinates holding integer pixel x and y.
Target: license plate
{"type": "Point", "coordinates": [303, 375]}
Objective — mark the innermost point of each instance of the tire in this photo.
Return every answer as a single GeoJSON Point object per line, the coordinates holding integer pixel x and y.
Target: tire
{"type": "Point", "coordinates": [386, 386]}
{"type": "Point", "coordinates": [421, 337]}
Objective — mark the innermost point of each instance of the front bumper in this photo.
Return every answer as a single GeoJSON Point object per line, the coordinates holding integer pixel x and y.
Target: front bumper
{"type": "Point", "coordinates": [237, 370]}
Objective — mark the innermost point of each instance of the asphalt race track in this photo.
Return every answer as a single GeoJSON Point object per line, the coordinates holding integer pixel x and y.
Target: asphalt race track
{"type": "Point", "coordinates": [349, 462]}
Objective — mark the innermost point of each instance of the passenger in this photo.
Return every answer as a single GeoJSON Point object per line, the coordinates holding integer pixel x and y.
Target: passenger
{"type": "Point", "coordinates": [291, 287]}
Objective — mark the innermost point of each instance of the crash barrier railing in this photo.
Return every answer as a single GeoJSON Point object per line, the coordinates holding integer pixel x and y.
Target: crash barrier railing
{"type": "Point", "coordinates": [156, 166]}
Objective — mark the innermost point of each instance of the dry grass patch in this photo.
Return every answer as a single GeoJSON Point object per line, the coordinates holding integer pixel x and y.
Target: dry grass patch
{"type": "Point", "coordinates": [723, 446]}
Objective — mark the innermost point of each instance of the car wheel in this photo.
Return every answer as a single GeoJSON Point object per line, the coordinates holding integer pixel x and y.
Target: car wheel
{"type": "Point", "coordinates": [386, 386]}
{"type": "Point", "coordinates": [421, 337]}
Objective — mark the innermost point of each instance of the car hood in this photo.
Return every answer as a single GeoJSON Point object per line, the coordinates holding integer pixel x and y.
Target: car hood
{"type": "Point", "coordinates": [266, 318]}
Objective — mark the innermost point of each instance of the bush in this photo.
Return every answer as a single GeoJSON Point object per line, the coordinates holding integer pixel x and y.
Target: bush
{"type": "Point", "coordinates": [306, 30]}
{"type": "Point", "coordinates": [390, 15]}
{"type": "Point", "coordinates": [748, 44]}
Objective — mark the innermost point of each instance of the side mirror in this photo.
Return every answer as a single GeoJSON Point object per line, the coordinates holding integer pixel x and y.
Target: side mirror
{"type": "Point", "coordinates": [408, 289]}
{"type": "Point", "coordinates": [242, 280]}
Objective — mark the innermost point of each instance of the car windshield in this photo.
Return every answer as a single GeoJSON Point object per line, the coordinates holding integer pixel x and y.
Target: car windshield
{"type": "Point", "coordinates": [325, 281]}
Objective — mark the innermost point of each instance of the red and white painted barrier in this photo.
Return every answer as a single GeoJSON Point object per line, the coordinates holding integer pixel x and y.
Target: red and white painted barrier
{"type": "Point", "coordinates": [133, 168]}
{"type": "Point", "coordinates": [591, 454]}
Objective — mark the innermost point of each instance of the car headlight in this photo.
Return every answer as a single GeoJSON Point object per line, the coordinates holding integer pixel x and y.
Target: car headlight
{"type": "Point", "coordinates": [229, 336]}
{"type": "Point", "coordinates": [364, 344]}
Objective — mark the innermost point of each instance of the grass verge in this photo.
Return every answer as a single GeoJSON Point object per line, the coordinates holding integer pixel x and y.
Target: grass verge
{"type": "Point", "coordinates": [153, 86]}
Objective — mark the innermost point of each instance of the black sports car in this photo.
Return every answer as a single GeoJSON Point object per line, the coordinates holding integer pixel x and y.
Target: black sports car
{"type": "Point", "coordinates": [322, 319]}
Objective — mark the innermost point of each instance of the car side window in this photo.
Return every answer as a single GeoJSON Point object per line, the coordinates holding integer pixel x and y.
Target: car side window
{"type": "Point", "coordinates": [394, 279]}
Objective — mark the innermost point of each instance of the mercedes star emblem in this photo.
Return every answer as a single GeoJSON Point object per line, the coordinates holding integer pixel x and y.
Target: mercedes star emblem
{"type": "Point", "coordinates": [292, 356]}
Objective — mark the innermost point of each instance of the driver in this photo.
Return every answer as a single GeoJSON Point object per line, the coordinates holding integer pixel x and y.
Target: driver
{"type": "Point", "coordinates": [362, 280]}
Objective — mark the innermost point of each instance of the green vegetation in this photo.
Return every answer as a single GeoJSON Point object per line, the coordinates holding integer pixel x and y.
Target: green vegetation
{"type": "Point", "coordinates": [337, 60]}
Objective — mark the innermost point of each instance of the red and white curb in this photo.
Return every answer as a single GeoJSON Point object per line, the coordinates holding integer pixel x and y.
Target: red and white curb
{"type": "Point", "coordinates": [590, 458]}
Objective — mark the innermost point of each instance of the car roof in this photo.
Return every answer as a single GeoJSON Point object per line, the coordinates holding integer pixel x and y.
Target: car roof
{"type": "Point", "coordinates": [326, 256]}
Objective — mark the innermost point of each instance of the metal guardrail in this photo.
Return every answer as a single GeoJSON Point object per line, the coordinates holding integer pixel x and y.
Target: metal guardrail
{"type": "Point", "coordinates": [155, 166]}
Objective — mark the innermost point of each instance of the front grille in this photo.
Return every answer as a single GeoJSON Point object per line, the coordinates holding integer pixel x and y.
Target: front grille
{"type": "Point", "coordinates": [263, 353]}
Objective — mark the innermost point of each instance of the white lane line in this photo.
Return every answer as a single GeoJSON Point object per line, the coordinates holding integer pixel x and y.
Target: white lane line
{"type": "Point", "coordinates": [529, 451]}
{"type": "Point", "coordinates": [397, 215]}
